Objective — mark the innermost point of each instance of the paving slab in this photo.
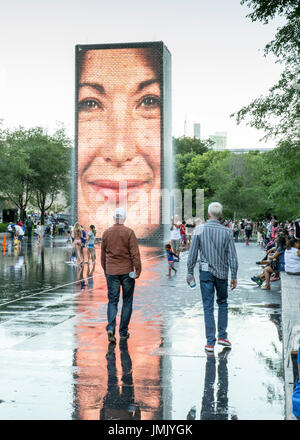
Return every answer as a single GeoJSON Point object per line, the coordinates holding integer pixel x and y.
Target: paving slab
{"type": "Point", "coordinates": [56, 363]}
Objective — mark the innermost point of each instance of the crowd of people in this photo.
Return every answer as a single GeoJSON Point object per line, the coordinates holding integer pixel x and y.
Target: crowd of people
{"type": "Point", "coordinates": [281, 243]}
{"type": "Point", "coordinates": [32, 227]}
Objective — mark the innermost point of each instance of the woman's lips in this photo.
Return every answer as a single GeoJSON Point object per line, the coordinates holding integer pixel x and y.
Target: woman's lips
{"type": "Point", "coordinates": [114, 190]}
{"type": "Point", "coordinates": [116, 185]}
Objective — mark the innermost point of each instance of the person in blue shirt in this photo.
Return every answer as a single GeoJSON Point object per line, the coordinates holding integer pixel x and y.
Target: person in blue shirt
{"type": "Point", "coordinates": [171, 260]}
{"type": "Point", "coordinates": [83, 238]}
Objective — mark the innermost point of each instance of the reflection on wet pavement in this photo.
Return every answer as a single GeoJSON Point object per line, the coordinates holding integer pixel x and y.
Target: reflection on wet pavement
{"type": "Point", "coordinates": [56, 363]}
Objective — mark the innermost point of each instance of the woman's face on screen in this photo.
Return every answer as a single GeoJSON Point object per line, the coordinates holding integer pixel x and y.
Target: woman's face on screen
{"type": "Point", "coordinates": [119, 141]}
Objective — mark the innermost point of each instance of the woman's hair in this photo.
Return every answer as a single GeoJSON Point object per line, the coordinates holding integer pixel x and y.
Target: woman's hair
{"type": "Point", "coordinates": [292, 242]}
{"type": "Point", "coordinates": [151, 55]}
{"type": "Point", "coordinates": [282, 242]}
{"type": "Point", "coordinates": [77, 227]}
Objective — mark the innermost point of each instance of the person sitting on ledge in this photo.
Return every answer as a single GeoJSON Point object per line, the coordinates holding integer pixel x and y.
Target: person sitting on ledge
{"type": "Point", "coordinates": [292, 257]}
{"type": "Point", "coordinates": [279, 266]}
{"type": "Point", "coordinates": [270, 252]}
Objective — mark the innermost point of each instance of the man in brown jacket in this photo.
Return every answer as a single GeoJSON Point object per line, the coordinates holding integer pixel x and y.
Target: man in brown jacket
{"type": "Point", "coordinates": [119, 256]}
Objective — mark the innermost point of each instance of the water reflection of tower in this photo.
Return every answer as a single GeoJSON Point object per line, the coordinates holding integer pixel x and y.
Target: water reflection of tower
{"type": "Point", "coordinates": [91, 376]}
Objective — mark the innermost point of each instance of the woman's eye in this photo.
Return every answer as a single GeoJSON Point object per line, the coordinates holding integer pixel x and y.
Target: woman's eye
{"type": "Point", "coordinates": [88, 105]}
{"type": "Point", "coordinates": [150, 102]}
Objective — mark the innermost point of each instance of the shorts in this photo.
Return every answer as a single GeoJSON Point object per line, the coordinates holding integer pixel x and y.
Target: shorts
{"type": "Point", "coordinates": [175, 245]}
{"type": "Point", "coordinates": [183, 238]}
{"type": "Point", "coordinates": [20, 237]}
{"type": "Point", "coordinates": [171, 263]}
{"type": "Point", "coordinates": [77, 241]}
{"type": "Point", "coordinates": [90, 246]}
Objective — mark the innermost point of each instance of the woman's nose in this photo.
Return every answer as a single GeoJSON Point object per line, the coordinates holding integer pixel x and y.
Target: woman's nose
{"type": "Point", "coordinates": [120, 140]}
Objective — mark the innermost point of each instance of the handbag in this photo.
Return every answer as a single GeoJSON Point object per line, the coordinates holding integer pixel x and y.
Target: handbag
{"type": "Point", "coordinates": [274, 264]}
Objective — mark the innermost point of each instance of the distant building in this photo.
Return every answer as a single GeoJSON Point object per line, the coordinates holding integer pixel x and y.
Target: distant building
{"type": "Point", "coordinates": [239, 150]}
{"type": "Point", "coordinates": [188, 129]}
{"type": "Point", "coordinates": [219, 139]}
{"type": "Point", "coordinates": [197, 130]}
{"type": "Point", "coordinates": [191, 129]}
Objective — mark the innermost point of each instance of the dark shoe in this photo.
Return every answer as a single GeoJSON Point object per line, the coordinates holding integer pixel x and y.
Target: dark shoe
{"type": "Point", "coordinates": [257, 280]}
{"type": "Point", "coordinates": [124, 337]}
{"type": "Point", "coordinates": [111, 336]}
{"type": "Point", "coordinates": [258, 262]}
{"type": "Point", "coordinates": [224, 353]}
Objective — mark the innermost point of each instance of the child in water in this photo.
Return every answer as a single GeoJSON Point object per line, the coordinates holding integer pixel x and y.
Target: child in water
{"type": "Point", "coordinates": [91, 244]}
{"type": "Point", "coordinates": [171, 256]}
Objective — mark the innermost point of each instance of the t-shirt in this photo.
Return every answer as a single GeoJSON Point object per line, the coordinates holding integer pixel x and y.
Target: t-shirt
{"type": "Point", "coordinates": [292, 260]}
{"type": "Point", "coordinates": [170, 255]}
{"type": "Point", "coordinates": [83, 238]}
{"type": "Point", "coordinates": [91, 238]}
{"type": "Point", "coordinates": [189, 228]}
{"type": "Point", "coordinates": [19, 230]}
{"type": "Point", "coordinates": [280, 257]}
{"type": "Point", "coordinates": [175, 233]}
{"type": "Point", "coordinates": [29, 223]}
{"type": "Point", "coordinates": [248, 226]}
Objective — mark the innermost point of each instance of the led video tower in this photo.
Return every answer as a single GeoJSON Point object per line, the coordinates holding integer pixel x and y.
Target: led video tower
{"type": "Point", "coordinates": [123, 154]}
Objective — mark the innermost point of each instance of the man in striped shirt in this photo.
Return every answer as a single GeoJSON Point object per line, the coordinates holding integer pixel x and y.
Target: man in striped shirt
{"type": "Point", "coordinates": [217, 254]}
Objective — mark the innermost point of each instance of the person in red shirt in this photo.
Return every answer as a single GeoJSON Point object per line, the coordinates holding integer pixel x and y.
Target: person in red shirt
{"type": "Point", "coordinates": [183, 233]}
{"type": "Point", "coordinates": [119, 257]}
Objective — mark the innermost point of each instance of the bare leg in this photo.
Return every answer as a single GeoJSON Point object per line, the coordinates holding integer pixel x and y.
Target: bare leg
{"type": "Point", "coordinates": [268, 271]}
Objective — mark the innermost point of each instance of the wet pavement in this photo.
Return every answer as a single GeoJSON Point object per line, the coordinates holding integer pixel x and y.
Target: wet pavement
{"type": "Point", "coordinates": [56, 363]}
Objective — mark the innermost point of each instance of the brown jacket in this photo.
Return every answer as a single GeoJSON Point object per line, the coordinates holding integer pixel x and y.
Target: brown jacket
{"type": "Point", "coordinates": [120, 251]}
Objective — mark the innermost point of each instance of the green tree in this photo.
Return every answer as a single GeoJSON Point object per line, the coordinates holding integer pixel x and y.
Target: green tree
{"type": "Point", "coordinates": [278, 112]}
{"type": "Point", "coordinates": [284, 191]}
{"type": "Point", "coordinates": [34, 167]}
{"type": "Point", "coordinates": [184, 145]}
{"type": "Point", "coordinates": [190, 172]}
{"type": "Point", "coordinates": [50, 160]}
{"type": "Point", "coordinates": [240, 183]}
{"type": "Point", "coordinates": [16, 174]}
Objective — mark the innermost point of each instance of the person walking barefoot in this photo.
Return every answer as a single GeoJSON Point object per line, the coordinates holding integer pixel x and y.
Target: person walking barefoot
{"type": "Point", "coordinates": [170, 256]}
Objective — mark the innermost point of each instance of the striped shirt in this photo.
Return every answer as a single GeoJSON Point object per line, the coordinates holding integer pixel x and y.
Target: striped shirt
{"type": "Point", "coordinates": [217, 250]}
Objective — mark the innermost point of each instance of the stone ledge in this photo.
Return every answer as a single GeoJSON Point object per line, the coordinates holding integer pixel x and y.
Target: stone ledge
{"type": "Point", "coordinates": [290, 303]}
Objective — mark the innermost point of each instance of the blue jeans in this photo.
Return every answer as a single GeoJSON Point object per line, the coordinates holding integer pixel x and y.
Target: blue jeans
{"type": "Point", "coordinates": [208, 284]}
{"type": "Point", "coordinates": [114, 283]}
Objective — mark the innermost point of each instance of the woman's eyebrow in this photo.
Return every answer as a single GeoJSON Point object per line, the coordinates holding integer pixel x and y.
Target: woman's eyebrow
{"type": "Point", "coordinates": [147, 83]}
{"type": "Point", "coordinates": [100, 89]}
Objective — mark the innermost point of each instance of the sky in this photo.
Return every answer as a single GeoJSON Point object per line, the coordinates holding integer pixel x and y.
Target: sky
{"type": "Point", "coordinates": [218, 64]}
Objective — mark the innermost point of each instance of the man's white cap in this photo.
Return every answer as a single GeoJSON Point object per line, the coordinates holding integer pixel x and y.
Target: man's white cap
{"type": "Point", "coordinates": [120, 212]}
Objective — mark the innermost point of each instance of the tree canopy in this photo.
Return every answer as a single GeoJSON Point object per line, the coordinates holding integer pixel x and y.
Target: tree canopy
{"type": "Point", "coordinates": [35, 167]}
{"type": "Point", "coordinates": [277, 113]}
{"type": "Point", "coordinates": [254, 183]}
